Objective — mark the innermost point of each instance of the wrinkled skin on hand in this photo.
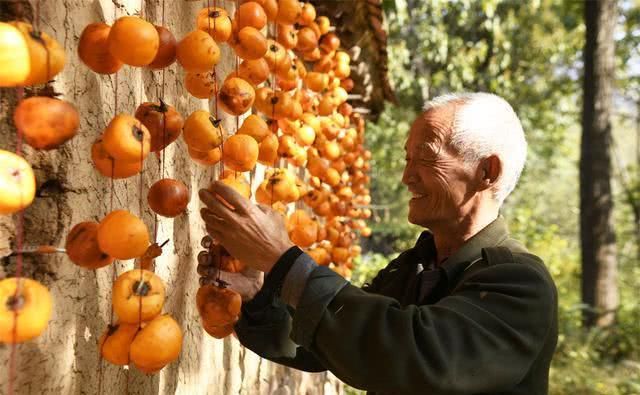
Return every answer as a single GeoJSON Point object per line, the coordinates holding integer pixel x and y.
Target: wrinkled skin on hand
{"type": "Point", "coordinates": [254, 234]}
{"type": "Point", "coordinates": [247, 283]}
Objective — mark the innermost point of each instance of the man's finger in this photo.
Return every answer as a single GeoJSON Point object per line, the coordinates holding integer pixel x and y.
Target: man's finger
{"type": "Point", "coordinates": [239, 202]}
{"type": "Point", "coordinates": [215, 216]}
{"type": "Point", "coordinates": [203, 257]}
{"type": "Point", "coordinates": [215, 203]}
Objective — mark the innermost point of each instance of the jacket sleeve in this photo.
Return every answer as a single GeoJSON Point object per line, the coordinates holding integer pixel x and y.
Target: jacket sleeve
{"type": "Point", "coordinates": [266, 321]}
{"type": "Point", "coordinates": [481, 338]}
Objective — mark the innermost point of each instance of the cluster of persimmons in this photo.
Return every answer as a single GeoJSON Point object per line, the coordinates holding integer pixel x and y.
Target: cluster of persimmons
{"type": "Point", "coordinates": [291, 87]}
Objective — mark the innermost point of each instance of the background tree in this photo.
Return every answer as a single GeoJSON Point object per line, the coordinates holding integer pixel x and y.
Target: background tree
{"type": "Point", "coordinates": [599, 265]}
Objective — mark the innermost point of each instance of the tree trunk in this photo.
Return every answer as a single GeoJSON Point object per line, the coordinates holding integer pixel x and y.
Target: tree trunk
{"type": "Point", "coordinates": [64, 359]}
{"type": "Point", "coordinates": [599, 264]}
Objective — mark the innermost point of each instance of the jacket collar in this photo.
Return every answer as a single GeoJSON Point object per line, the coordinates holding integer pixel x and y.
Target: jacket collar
{"type": "Point", "coordinates": [491, 235]}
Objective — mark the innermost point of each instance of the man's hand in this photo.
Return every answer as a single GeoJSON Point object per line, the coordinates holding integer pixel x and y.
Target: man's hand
{"type": "Point", "coordinates": [247, 283]}
{"type": "Point", "coordinates": [256, 235]}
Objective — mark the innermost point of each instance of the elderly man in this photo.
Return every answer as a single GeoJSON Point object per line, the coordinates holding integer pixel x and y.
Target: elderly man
{"type": "Point", "coordinates": [467, 310]}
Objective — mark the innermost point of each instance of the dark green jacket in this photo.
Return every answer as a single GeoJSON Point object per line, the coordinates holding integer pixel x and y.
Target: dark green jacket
{"type": "Point", "coordinates": [489, 327]}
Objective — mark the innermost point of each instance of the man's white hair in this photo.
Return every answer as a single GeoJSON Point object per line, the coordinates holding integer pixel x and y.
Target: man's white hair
{"type": "Point", "coordinates": [485, 124]}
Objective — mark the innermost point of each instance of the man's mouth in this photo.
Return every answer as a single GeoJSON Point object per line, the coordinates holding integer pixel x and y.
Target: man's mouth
{"type": "Point", "coordinates": [415, 196]}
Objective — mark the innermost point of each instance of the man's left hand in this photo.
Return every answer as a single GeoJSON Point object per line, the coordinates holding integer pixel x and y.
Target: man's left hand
{"type": "Point", "coordinates": [254, 234]}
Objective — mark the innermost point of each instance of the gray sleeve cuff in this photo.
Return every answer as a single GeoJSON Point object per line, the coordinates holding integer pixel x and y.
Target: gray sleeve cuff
{"type": "Point", "coordinates": [296, 279]}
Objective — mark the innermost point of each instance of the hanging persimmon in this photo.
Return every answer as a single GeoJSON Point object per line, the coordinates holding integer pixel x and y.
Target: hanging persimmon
{"type": "Point", "coordinates": [324, 24]}
{"type": "Point", "coordinates": [268, 150]}
{"type": "Point", "coordinates": [93, 49]}
{"type": "Point", "coordinates": [166, 49]}
{"type": "Point", "coordinates": [207, 158]}
{"type": "Point", "coordinates": [237, 181]}
{"type": "Point", "coordinates": [115, 342]}
{"type": "Point", "coordinates": [320, 256]}
{"type": "Point", "coordinates": [347, 84]}
{"type": "Point", "coordinates": [251, 14]}
{"type": "Point", "coordinates": [249, 43]}
{"type": "Point", "coordinates": [200, 85]}
{"type": "Point", "coordinates": [168, 197]}
{"type": "Point", "coordinates": [218, 307]}
{"type": "Point", "coordinates": [307, 40]}
{"type": "Point", "coordinates": [46, 123]}
{"type": "Point", "coordinates": [46, 55]}
{"type": "Point", "coordinates": [216, 22]}
{"type": "Point", "coordinates": [307, 14]}
{"type": "Point", "coordinates": [24, 311]}
{"type": "Point", "coordinates": [123, 235]}
{"type": "Point", "coordinates": [240, 152]}
{"type": "Point", "coordinates": [17, 183]}
{"type": "Point", "coordinates": [14, 56]}
{"type": "Point", "coordinates": [110, 167]}
{"type": "Point", "coordinates": [288, 11]}
{"type": "Point", "coordinates": [302, 229]}
{"type": "Point", "coordinates": [278, 186]}
{"type": "Point", "coordinates": [315, 81]}
{"type": "Point", "coordinates": [163, 122]}
{"type": "Point", "coordinates": [158, 343]}
{"type": "Point", "coordinates": [276, 105]}
{"type": "Point", "coordinates": [133, 41]}
{"type": "Point", "coordinates": [254, 126]}
{"type": "Point", "coordinates": [127, 139]}
{"type": "Point", "coordinates": [329, 42]}
{"type": "Point", "coordinates": [137, 296]}
{"type": "Point", "coordinates": [202, 132]}
{"type": "Point", "coordinates": [277, 57]}
{"type": "Point", "coordinates": [255, 71]}
{"type": "Point", "coordinates": [287, 36]}
{"type": "Point", "coordinates": [82, 246]}
{"type": "Point", "coordinates": [236, 96]}
{"type": "Point", "coordinates": [198, 52]}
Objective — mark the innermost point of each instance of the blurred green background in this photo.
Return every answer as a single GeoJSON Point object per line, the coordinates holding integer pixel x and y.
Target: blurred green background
{"type": "Point", "coordinates": [530, 53]}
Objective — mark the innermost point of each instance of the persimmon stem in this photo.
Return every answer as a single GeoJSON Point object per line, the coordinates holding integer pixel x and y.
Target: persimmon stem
{"type": "Point", "coordinates": [141, 288]}
{"type": "Point", "coordinates": [15, 302]}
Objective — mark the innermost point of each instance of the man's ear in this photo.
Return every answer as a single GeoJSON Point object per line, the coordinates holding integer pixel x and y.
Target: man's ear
{"type": "Point", "coordinates": [490, 170]}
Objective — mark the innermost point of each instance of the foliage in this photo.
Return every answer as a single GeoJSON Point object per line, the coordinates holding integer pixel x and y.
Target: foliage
{"type": "Point", "coordinates": [530, 53]}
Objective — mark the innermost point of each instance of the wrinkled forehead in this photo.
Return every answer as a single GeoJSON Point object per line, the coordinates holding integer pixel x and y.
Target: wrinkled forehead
{"type": "Point", "coordinates": [433, 127]}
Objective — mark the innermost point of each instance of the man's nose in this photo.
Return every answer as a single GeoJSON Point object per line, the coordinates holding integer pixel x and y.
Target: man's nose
{"type": "Point", "coordinates": [407, 174]}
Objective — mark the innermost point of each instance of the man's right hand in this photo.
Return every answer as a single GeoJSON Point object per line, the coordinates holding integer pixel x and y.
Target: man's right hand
{"type": "Point", "coordinates": [247, 283]}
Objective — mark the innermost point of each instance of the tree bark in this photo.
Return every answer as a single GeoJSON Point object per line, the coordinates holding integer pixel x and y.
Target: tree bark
{"type": "Point", "coordinates": [64, 358]}
{"type": "Point", "coordinates": [599, 264]}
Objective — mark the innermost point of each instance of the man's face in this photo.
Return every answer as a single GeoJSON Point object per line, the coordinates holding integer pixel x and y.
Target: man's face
{"type": "Point", "coordinates": [436, 176]}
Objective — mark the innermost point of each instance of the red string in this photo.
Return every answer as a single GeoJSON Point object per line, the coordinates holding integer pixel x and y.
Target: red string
{"type": "Point", "coordinates": [19, 263]}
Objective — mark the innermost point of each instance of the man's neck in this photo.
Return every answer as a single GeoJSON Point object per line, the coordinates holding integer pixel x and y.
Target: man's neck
{"type": "Point", "coordinates": [449, 237]}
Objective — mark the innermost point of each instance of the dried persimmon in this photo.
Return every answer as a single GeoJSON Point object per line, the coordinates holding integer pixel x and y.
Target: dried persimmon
{"type": "Point", "coordinates": [46, 123]}
{"type": "Point", "coordinates": [46, 55]}
{"type": "Point", "coordinates": [115, 342]}
{"type": "Point", "coordinates": [240, 152]}
{"type": "Point", "coordinates": [82, 246]}
{"type": "Point", "coordinates": [133, 41]}
{"type": "Point", "coordinates": [198, 52]}
{"type": "Point", "coordinates": [202, 132]}
{"type": "Point", "coordinates": [25, 309]}
{"type": "Point", "coordinates": [166, 50]}
{"type": "Point", "coordinates": [110, 167]}
{"type": "Point", "coordinates": [236, 96]}
{"type": "Point", "coordinates": [158, 343]}
{"type": "Point", "coordinates": [137, 296]}
{"type": "Point", "coordinates": [17, 183]}
{"type": "Point", "coordinates": [163, 122]}
{"type": "Point", "coordinates": [127, 139]}
{"type": "Point", "coordinates": [168, 197]}
{"type": "Point", "coordinates": [14, 56]}
{"type": "Point", "coordinates": [93, 49]}
{"type": "Point", "coordinates": [123, 235]}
